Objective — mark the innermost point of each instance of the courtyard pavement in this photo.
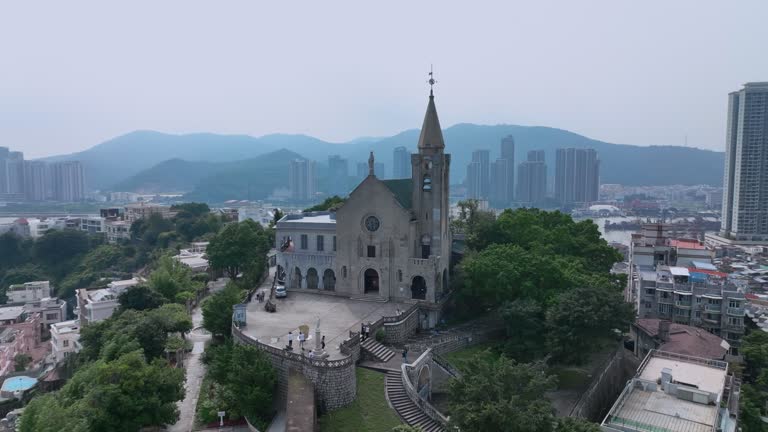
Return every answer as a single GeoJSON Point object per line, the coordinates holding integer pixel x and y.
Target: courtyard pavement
{"type": "Point", "coordinates": [338, 315]}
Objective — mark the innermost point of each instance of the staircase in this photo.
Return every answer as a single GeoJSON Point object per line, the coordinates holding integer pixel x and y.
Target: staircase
{"type": "Point", "coordinates": [406, 409]}
{"type": "Point", "coordinates": [377, 350]}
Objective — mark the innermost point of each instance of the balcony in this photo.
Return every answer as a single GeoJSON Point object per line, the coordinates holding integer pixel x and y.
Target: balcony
{"type": "Point", "coordinates": [710, 321]}
{"type": "Point", "coordinates": [735, 311]}
{"type": "Point", "coordinates": [682, 304]}
{"type": "Point", "coordinates": [665, 300]}
{"type": "Point", "coordinates": [736, 328]}
{"type": "Point", "coordinates": [713, 308]}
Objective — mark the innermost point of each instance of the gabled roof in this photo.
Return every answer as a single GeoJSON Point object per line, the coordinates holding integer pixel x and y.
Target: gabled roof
{"type": "Point", "coordinates": [402, 190]}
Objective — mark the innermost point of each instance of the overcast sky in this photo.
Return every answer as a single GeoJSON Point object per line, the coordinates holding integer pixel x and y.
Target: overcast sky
{"type": "Point", "coordinates": [75, 73]}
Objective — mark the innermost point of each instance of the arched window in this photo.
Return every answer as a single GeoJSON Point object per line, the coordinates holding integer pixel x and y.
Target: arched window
{"type": "Point", "coordinates": [399, 275]}
{"type": "Point", "coordinates": [427, 182]}
{"type": "Point", "coordinates": [329, 280]}
{"type": "Point", "coordinates": [344, 272]}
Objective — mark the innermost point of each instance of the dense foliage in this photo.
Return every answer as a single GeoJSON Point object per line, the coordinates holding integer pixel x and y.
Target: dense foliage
{"type": "Point", "coordinates": [217, 310]}
{"type": "Point", "coordinates": [330, 203]}
{"type": "Point", "coordinates": [243, 383]}
{"type": "Point", "coordinates": [495, 393]}
{"type": "Point", "coordinates": [754, 391]}
{"type": "Point", "coordinates": [547, 275]}
{"type": "Point", "coordinates": [240, 247]}
{"type": "Point", "coordinates": [122, 394]}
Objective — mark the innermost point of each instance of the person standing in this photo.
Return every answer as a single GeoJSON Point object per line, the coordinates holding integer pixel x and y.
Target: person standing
{"type": "Point", "coordinates": [322, 343]}
{"type": "Point", "coordinates": [362, 331]}
{"type": "Point", "coordinates": [301, 340]}
{"type": "Point", "coordinates": [405, 354]}
{"type": "Point", "coordinates": [290, 340]}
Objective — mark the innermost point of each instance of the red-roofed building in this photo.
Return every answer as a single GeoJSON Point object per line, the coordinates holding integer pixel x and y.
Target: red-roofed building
{"type": "Point", "coordinates": [651, 333]}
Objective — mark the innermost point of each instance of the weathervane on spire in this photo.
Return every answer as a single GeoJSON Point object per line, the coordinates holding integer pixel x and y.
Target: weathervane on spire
{"type": "Point", "coordinates": [431, 80]}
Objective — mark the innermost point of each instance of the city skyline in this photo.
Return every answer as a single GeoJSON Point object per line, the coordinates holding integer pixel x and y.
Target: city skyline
{"type": "Point", "coordinates": [110, 85]}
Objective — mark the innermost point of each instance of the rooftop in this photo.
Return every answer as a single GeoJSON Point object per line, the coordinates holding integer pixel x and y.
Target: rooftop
{"type": "Point", "coordinates": [403, 190]}
{"type": "Point", "coordinates": [11, 313]}
{"type": "Point", "coordinates": [686, 340]}
{"type": "Point", "coordinates": [321, 219]}
{"type": "Point", "coordinates": [670, 393]}
{"type": "Point", "coordinates": [686, 244]}
{"type": "Point", "coordinates": [66, 326]}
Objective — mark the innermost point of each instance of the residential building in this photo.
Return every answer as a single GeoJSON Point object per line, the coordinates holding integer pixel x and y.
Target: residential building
{"type": "Point", "coordinates": [100, 304]}
{"type": "Point", "coordinates": [68, 180]}
{"type": "Point", "coordinates": [124, 197]}
{"type": "Point", "coordinates": [301, 179]}
{"type": "Point", "coordinates": [11, 315]}
{"type": "Point", "coordinates": [29, 292]}
{"type": "Point", "coordinates": [663, 335]}
{"type": "Point", "coordinates": [482, 177]}
{"type": "Point", "coordinates": [65, 339]}
{"type": "Point", "coordinates": [361, 171]}
{"type": "Point", "coordinates": [15, 173]}
{"type": "Point", "coordinates": [117, 230]}
{"type": "Point", "coordinates": [577, 176]}
{"type": "Point", "coordinates": [21, 337]}
{"type": "Point", "coordinates": [380, 170]}
{"type": "Point", "coordinates": [389, 241]}
{"type": "Point", "coordinates": [93, 224]}
{"type": "Point", "coordinates": [745, 194]}
{"type": "Point", "coordinates": [51, 310]}
{"type": "Point", "coordinates": [499, 183]}
{"type": "Point", "coordinates": [4, 151]}
{"type": "Point", "coordinates": [508, 155]}
{"type": "Point", "coordinates": [532, 179]}
{"type": "Point", "coordinates": [193, 258]}
{"type": "Point", "coordinates": [338, 174]}
{"type": "Point", "coordinates": [37, 180]}
{"type": "Point", "coordinates": [675, 393]}
{"type": "Point", "coordinates": [473, 181]}
{"type": "Point", "coordinates": [142, 210]}
{"type": "Point", "coordinates": [401, 163]}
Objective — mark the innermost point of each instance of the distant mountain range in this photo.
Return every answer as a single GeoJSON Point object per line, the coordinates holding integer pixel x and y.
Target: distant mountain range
{"type": "Point", "coordinates": [211, 166]}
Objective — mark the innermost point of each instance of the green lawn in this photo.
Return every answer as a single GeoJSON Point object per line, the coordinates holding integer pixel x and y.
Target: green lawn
{"type": "Point", "coordinates": [368, 413]}
{"type": "Point", "coordinates": [457, 357]}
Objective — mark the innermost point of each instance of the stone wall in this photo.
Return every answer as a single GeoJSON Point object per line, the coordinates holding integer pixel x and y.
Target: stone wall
{"type": "Point", "coordinates": [602, 392]}
{"type": "Point", "coordinates": [396, 333]}
{"type": "Point", "coordinates": [334, 380]}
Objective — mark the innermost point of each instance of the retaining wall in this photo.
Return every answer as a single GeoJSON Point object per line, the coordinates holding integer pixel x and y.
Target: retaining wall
{"type": "Point", "coordinates": [602, 392]}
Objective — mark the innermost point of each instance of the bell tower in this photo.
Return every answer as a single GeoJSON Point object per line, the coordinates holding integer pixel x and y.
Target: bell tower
{"type": "Point", "coordinates": [430, 168]}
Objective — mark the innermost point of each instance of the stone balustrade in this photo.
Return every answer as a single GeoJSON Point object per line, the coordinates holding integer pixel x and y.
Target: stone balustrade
{"type": "Point", "coordinates": [406, 369]}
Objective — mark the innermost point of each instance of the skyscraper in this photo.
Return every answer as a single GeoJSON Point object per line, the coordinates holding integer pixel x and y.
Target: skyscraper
{"type": "Point", "coordinates": [379, 170]}
{"type": "Point", "coordinates": [482, 158]}
{"type": "Point", "coordinates": [68, 179]}
{"type": "Point", "coordinates": [508, 154]}
{"type": "Point", "coordinates": [36, 180]}
{"type": "Point", "coordinates": [745, 194]}
{"type": "Point", "coordinates": [362, 170]}
{"type": "Point", "coordinates": [577, 176]}
{"type": "Point", "coordinates": [301, 179]}
{"type": "Point", "coordinates": [473, 181]}
{"type": "Point", "coordinates": [14, 167]}
{"type": "Point", "coordinates": [401, 163]}
{"type": "Point", "coordinates": [338, 173]}
{"type": "Point", "coordinates": [499, 183]}
{"type": "Point", "coordinates": [532, 179]}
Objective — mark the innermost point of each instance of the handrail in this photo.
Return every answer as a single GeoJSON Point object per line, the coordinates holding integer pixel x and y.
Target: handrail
{"type": "Point", "coordinates": [424, 405]}
{"type": "Point", "coordinates": [445, 364]}
{"type": "Point", "coordinates": [289, 355]}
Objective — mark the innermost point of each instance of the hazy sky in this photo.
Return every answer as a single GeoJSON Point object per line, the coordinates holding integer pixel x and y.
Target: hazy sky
{"type": "Point", "coordinates": [75, 73]}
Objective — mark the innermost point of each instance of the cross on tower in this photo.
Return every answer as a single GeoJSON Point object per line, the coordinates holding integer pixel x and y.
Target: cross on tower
{"type": "Point", "coordinates": [431, 80]}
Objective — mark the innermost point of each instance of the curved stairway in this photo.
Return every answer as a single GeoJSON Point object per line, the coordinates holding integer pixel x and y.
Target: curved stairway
{"type": "Point", "coordinates": [377, 350]}
{"type": "Point", "coordinates": [406, 409]}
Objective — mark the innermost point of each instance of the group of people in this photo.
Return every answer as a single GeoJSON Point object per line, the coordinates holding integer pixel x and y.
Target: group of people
{"type": "Point", "coordinates": [260, 296]}
{"type": "Point", "coordinates": [365, 331]}
{"type": "Point", "coordinates": [302, 339]}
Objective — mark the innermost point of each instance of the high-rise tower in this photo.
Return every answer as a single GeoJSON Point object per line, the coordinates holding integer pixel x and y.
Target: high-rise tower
{"type": "Point", "coordinates": [745, 183]}
{"type": "Point", "coordinates": [401, 163]}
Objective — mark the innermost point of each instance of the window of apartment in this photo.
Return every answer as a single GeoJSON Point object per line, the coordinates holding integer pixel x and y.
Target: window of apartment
{"type": "Point", "coordinates": [51, 316]}
{"type": "Point", "coordinates": [698, 299]}
{"type": "Point", "coordinates": [734, 303]}
{"type": "Point", "coordinates": [650, 291]}
{"type": "Point", "coordinates": [371, 251]}
{"type": "Point", "coordinates": [735, 321]}
{"type": "Point", "coordinates": [304, 241]}
{"type": "Point", "coordinates": [665, 308]}
{"type": "Point", "coordinates": [713, 301]}
{"type": "Point", "coordinates": [65, 343]}
{"type": "Point", "coordinates": [697, 314]}
{"type": "Point", "coordinates": [334, 243]}
{"type": "Point", "coordinates": [320, 243]}
{"type": "Point", "coordinates": [648, 305]}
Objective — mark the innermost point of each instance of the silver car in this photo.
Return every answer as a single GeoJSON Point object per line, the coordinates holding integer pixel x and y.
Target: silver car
{"type": "Point", "coordinates": [280, 291]}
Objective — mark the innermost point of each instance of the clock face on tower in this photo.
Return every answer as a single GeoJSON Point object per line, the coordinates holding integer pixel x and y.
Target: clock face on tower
{"type": "Point", "coordinates": [372, 223]}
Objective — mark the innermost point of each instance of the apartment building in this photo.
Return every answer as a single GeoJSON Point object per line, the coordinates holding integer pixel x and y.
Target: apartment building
{"type": "Point", "coordinates": [29, 292]}
{"type": "Point", "coordinates": [65, 337]}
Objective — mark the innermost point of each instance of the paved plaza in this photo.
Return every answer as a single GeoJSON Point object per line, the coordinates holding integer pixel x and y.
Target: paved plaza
{"type": "Point", "coordinates": [338, 315]}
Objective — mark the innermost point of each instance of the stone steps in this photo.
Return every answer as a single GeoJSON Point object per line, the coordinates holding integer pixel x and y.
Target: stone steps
{"type": "Point", "coordinates": [377, 350]}
{"type": "Point", "coordinates": [408, 411]}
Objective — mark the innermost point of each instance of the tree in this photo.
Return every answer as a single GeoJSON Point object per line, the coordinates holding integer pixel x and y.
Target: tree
{"type": "Point", "coordinates": [500, 394]}
{"type": "Point", "coordinates": [330, 204]}
{"type": "Point", "coordinates": [237, 246]}
{"type": "Point", "coordinates": [276, 216]}
{"type": "Point", "coordinates": [140, 297]}
{"type": "Point", "coordinates": [524, 322]}
{"type": "Point", "coordinates": [14, 250]}
{"type": "Point", "coordinates": [21, 361]}
{"type": "Point", "coordinates": [217, 310]}
{"type": "Point", "coordinates": [60, 246]}
{"type": "Point", "coordinates": [580, 317]}
{"type": "Point", "coordinates": [572, 424]}
{"type": "Point", "coordinates": [754, 391]}
{"type": "Point", "coordinates": [245, 379]}
{"type": "Point", "coordinates": [125, 394]}
{"type": "Point", "coordinates": [172, 277]}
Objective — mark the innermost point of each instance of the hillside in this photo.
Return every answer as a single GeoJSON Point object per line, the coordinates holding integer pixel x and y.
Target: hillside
{"type": "Point", "coordinates": [111, 165]}
{"type": "Point", "coordinates": [174, 175]}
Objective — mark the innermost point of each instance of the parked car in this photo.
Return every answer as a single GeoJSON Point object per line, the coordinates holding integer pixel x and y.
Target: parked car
{"type": "Point", "coordinates": [280, 291]}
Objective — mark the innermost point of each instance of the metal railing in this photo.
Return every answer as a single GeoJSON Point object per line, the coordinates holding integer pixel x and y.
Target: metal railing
{"type": "Point", "coordinates": [713, 308]}
{"type": "Point", "coordinates": [735, 311]}
{"type": "Point", "coordinates": [410, 390]}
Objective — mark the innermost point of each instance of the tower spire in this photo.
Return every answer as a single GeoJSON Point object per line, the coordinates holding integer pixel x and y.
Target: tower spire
{"type": "Point", "coordinates": [431, 134]}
